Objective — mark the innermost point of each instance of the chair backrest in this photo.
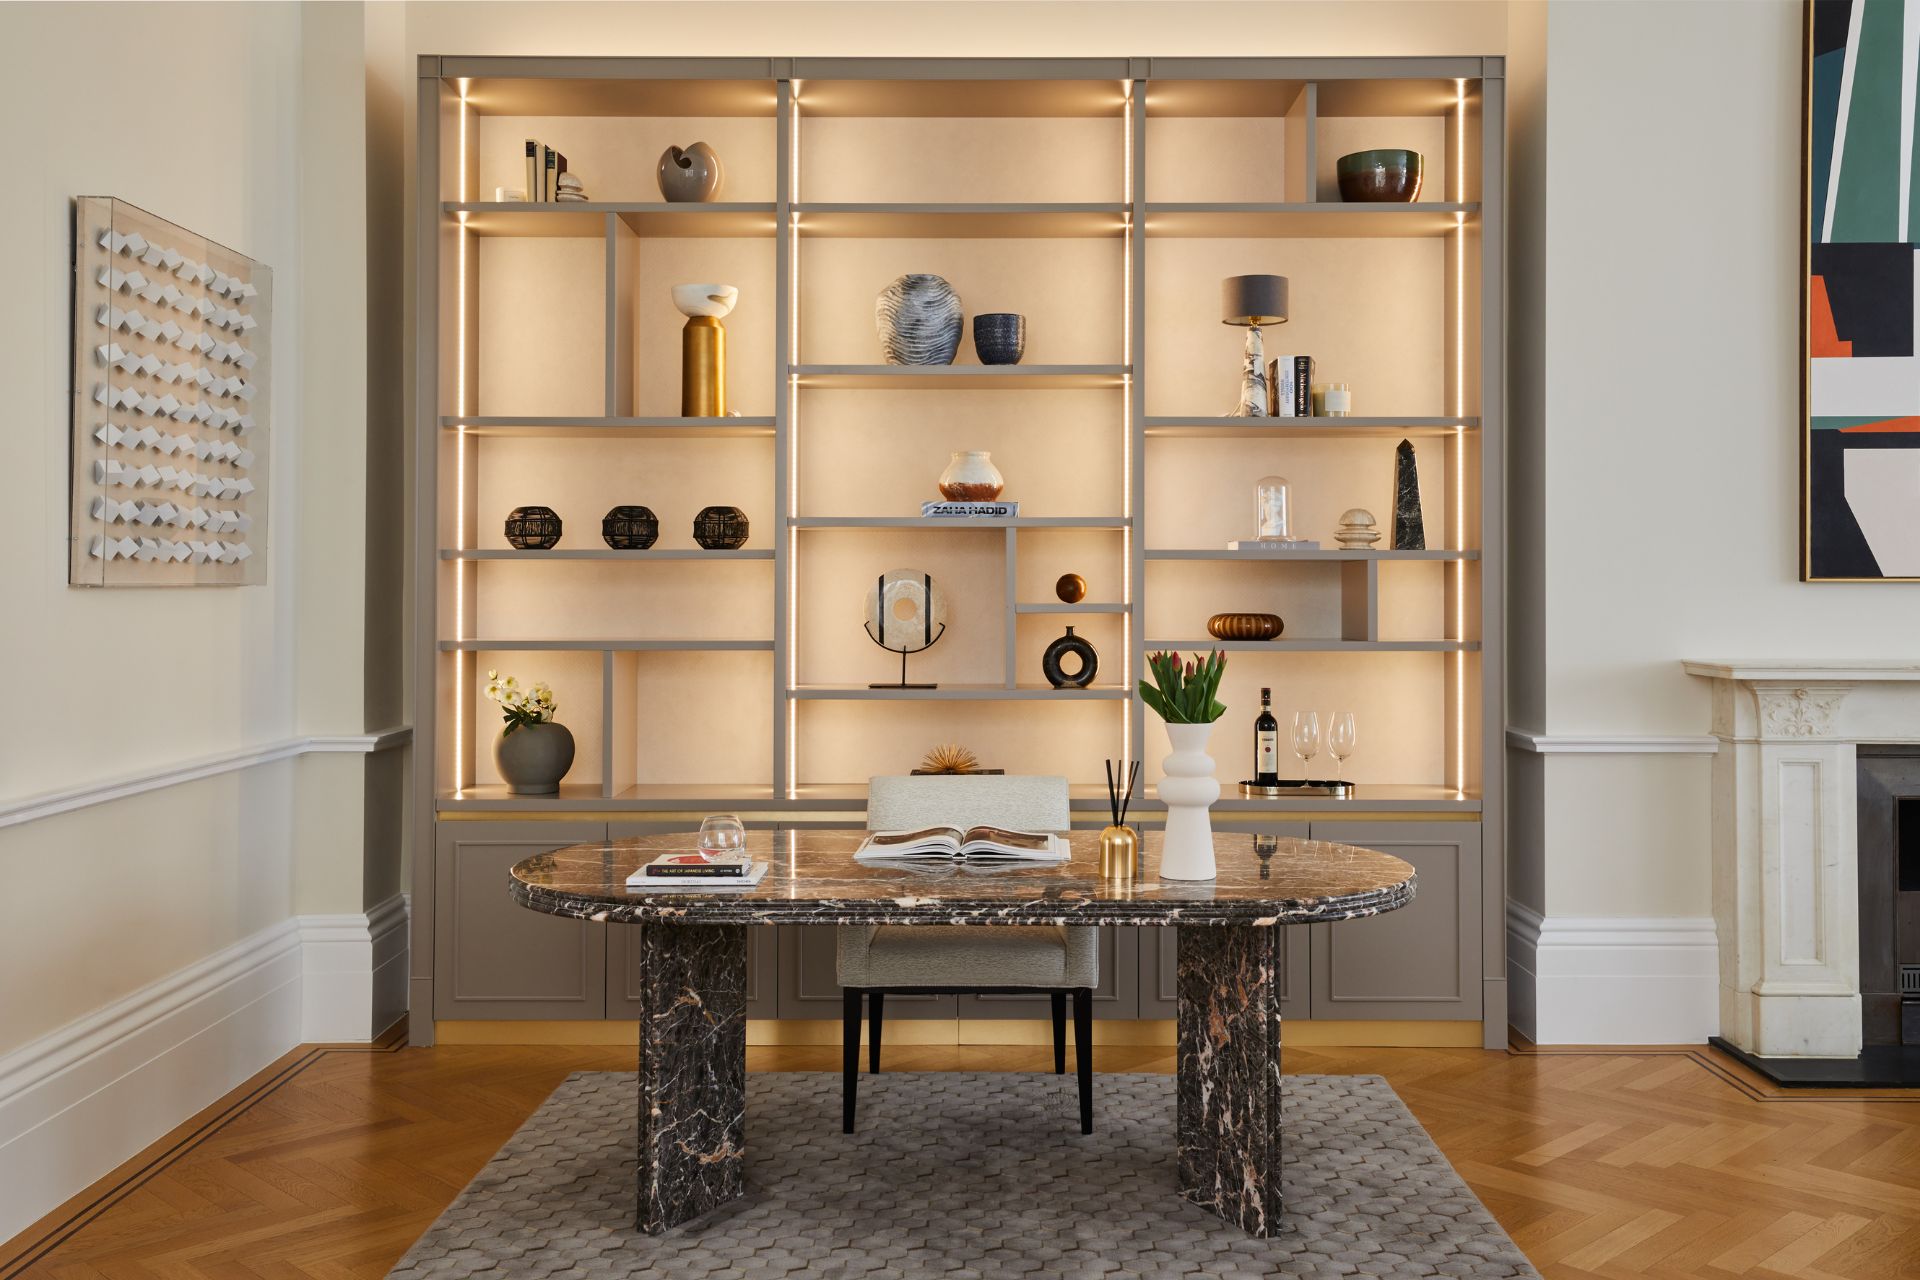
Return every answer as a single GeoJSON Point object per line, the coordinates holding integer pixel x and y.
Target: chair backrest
{"type": "Point", "coordinates": [1019, 801]}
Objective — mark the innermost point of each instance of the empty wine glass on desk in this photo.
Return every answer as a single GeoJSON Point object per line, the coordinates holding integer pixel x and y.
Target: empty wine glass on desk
{"type": "Point", "coordinates": [1306, 740]}
{"type": "Point", "coordinates": [1341, 738]}
{"type": "Point", "coordinates": [722, 833]}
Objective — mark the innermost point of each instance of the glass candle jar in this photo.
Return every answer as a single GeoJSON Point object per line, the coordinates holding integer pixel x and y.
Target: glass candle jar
{"type": "Point", "coordinates": [1339, 400]}
{"type": "Point", "coordinates": [1273, 507]}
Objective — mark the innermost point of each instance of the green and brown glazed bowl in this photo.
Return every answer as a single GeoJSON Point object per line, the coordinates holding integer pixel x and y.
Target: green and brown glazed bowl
{"type": "Point", "coordinates": [1387, 175]}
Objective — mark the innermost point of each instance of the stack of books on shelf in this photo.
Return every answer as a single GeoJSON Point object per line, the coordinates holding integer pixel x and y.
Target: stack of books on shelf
{"type": "Point", "coordinates": [970, 510]}
{"type": "Point", "coordinates": [699, 872]}
{"type": "Point", "coordinates": [548, 181]}
{"type": "Point", "coordinates": [1290, 387]}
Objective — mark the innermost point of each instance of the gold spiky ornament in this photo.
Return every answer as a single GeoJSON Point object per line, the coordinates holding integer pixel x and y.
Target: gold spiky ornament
{"type": "Point", "coordinates": [950, 758]}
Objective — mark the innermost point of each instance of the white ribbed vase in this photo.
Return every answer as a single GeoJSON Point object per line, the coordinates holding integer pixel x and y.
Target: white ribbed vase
{"type": "Point", "coordinates": [1188, 790]}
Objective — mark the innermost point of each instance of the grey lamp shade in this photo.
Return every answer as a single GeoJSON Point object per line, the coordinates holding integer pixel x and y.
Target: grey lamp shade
{"type": "Point", "coordinates": [1253, 300]}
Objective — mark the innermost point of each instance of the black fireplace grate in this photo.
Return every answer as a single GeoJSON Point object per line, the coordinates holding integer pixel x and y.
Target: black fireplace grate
{"type": "Point", "coordinates": [1910, 982]}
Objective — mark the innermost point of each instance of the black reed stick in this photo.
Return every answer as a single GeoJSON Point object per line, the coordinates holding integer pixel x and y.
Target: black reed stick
{"type": "Point", "coordinates": [1113, 794]}
{"type": "Point", "coordinates": [1126, 804]}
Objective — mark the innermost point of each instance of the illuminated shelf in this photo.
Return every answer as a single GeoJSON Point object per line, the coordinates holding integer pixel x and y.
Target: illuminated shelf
{"type": "Point", "coordinates": [651, 553]}
{"type": "Point", "coordinates": [613, 428]}
{"type": "Point", "coordinates": [1306, 221]}
{"type": "Point", "coordinates": [959, 693]}
{"type": "Point", "coordinates": [1056, 606]}
{"type": "Point", "coordinates": [844, 803]}
{"type": "Point", "coordinates": [1320, 646]}
{"type": "Point", "coordinates": [587, 219]}
{"type": "Point", "coordinates": [606, 646]}
{"type": "Point", "coordinates": [961, 523]}
{"type": "Point", "coordinates": [961, 221]}
{"type": "Point", "coordinates": [960, 377]}
{"type": "Point", "coordinates": [1310, 557]}
{"type": "Point", "coordinates": [1308, 428]}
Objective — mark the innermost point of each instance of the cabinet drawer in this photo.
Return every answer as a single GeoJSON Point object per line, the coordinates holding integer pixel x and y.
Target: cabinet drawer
{"type": "Point", "coordinates": [493, 958]}
{"type": "Point", "coordinates": [1422, 961]}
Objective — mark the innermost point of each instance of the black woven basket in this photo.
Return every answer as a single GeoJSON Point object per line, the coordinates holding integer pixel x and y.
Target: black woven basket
{"type": "Point", "coordinates": [533, 528]}
{"type": "Point", "coordinates": [720, 528]}
{"type": "Point", "coordinates": [630, 528]}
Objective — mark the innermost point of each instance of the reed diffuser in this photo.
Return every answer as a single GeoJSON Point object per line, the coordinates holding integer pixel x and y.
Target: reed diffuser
{"type": "Point", "coordinates": [1120, 843]}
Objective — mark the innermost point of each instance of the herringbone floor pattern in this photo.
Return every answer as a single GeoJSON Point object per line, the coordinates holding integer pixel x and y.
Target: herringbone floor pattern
{"type": "Point", "coordinates": [1599, 1163]}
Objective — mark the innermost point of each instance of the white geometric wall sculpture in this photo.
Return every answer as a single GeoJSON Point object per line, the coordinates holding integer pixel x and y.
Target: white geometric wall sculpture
{"type": "Point", "coordinates": [171, 404]}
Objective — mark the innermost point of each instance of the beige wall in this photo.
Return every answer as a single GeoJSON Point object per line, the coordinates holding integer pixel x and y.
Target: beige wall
{"type": "Point", "coordinates": [111, 684]}
{"type": "Point", "coordinates": [1664, 458]}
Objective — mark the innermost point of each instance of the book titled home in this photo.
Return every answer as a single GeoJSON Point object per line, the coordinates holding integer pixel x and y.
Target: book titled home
{"type": "Point", "coordinates": [1280, 387]}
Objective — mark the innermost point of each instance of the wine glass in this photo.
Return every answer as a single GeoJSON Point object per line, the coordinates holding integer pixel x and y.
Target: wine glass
{"type": "Point", "coordinates": [1306, 739]}
{"type": "Point", "coordinates": [722, 833]}
{"type": "Point", "coordinates": [1341, 738]}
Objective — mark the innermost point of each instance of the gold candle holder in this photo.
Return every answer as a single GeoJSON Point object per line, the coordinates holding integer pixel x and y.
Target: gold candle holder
{"type": "Point", "coordinates": [1119, 854]}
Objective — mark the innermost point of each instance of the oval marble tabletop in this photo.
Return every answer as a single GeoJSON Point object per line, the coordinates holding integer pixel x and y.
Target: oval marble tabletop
{"type": "Point", "coordinates": [813, 879]}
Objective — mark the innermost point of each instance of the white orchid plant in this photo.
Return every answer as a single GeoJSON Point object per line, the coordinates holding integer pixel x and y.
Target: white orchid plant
{"type": "Point", "coordinates": [520, 706]}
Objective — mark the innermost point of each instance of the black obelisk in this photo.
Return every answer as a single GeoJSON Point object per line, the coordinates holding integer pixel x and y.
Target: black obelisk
{"type": "Point", "coordinates": [1409, 531]}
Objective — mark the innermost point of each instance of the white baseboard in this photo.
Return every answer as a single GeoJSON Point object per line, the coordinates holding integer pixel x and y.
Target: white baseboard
{"type": "Point", "coordinates": [77, 1102]}
{"type": "Point", "coordinates": [356, 973]}
{"type": "Point", "coordinates": [1612, 979]}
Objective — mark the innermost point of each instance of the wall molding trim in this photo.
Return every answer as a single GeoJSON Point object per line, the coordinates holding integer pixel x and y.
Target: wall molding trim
{"type": "Point", "coordinates": [47, 804]}
{"type": "Point", "coordinates": [79, 1100]}
{"type": "Point", "coordinates": [1593, 744]}
{"type": "Point", "coordinates": [354, 967]}
{"type": "Point", "coordinates": [1612, 979]}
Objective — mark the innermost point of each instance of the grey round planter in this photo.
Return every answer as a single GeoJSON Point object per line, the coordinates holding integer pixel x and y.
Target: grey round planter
{"type": "Point", "coordinates": [534, 757]}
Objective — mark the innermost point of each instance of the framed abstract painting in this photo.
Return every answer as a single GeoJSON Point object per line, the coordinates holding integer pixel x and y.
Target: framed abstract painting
{"type": "Point", "coordinates": [1860, 387]}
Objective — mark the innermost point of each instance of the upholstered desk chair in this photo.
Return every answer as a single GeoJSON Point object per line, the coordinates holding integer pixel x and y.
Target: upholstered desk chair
{"type": "Point", "coordinates": [873, 960]}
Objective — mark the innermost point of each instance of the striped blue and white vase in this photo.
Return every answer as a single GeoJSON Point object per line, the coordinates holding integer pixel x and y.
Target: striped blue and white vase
{"type": "Point", "coordinates": [919, 320]}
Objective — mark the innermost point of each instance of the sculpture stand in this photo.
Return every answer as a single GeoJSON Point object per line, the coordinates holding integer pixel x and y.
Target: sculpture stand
{"type": "Point", "coordinates": [903, 652]}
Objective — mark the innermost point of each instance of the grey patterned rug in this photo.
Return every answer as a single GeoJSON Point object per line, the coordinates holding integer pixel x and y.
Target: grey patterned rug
{"type": "Point", "coordinates": [977, 1174]}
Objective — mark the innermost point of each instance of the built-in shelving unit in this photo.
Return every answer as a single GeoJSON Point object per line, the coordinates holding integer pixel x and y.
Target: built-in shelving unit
{"type": "Point", "coordinates": [697, 680]}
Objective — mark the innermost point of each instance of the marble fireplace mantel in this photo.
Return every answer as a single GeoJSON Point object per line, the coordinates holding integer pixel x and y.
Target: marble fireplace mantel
{"type": "Point", "coordinates": [1786, 900]}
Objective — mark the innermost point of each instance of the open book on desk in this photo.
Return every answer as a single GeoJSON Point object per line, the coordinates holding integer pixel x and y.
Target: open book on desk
{"type": "Point", "coordinates": [954, 844]}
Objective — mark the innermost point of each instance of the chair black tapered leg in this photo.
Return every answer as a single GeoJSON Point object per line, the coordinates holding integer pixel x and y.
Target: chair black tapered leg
{"type": "Point", "coordinates": [849, 1055]}
{"type": "Point", "coordinates": [1083, 1052]}
{"type": "Point", "coordinates": [874, 1001]}
{"type": "Point", "coordinates": [1059, 999]}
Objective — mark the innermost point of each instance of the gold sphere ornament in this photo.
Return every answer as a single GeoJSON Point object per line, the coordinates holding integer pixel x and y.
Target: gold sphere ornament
{"type": "Point", "coordinates": [1071, 588]}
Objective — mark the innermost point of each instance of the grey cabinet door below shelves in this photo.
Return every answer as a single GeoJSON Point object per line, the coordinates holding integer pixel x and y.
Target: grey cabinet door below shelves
{"type": "Point", "coordinates": [1422, 961]}
{"type": "Point", "coordinates": [492, 957]}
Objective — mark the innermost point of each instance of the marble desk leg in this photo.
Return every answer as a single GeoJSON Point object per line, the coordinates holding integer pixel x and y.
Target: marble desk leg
{"type": "Point", "coordinates": [1229, 1073]}
{"type": "Point", "coordinates": [693, 1070]}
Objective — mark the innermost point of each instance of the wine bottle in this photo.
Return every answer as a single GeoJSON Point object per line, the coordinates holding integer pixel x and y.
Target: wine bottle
{"type": "Point", "coordinates": [1266, 744]}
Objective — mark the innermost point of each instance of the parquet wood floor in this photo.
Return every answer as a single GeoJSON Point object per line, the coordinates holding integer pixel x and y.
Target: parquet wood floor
{"type": "Point", "coordinates": [1601, 1163]}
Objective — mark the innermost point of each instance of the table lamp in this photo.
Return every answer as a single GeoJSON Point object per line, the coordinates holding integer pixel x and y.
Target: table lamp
{"type": "Point", "coordinates": [1252, 301]}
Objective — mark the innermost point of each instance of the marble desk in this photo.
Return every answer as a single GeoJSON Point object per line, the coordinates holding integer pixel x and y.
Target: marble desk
{"type": "Point", "coordinates": [693, 978]}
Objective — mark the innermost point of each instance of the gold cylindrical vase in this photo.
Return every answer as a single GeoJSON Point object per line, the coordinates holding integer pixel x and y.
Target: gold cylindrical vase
{"type": "Point", "coordinates": [1119, 854]}
{"type": "Point", "coordinates": [703, 368]}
